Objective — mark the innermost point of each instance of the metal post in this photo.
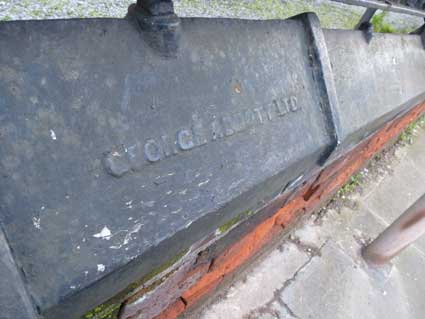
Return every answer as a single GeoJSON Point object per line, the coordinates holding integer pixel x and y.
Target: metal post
{"type": "Point", "coordinates": [420, 30]}
{"type": "Point", "coordinates": [400, 234]}
{"type": "Point", "coordinates": [157, 7]}
{"type": "Point", "coordinates": [366, 17]}
{"type": "Point", "coordinates": [159, 23]}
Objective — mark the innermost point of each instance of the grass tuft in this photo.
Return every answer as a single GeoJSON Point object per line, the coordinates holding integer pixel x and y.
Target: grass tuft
{"type": "Point", "coordinates": [379, 25]}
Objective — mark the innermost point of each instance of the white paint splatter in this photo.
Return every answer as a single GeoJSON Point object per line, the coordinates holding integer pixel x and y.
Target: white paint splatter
{"type": "Point", "coordinates": [203, 183]}
{"type": "Point", "coordinates": [36, 221]}
{"type": "Point", "coordinates": [129, 204]}
{"type": "Point", "coordinates": [128, 237]}
{"type": "Point", "coordinates": [135, 229]}
{"type": "Point", "coordinates": [53, 135]}
{"type": "Point", "coordinates": [169, 192]}
{"type": "Point", "coordinates": [101, 268]}
{"type": "Point", "coordinates": [105, 233]}
{"type": "Point", "coordinates": [183, 192]}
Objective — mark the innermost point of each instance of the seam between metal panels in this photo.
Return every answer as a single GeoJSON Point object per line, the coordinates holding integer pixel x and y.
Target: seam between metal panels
{"type": "Point", "coordinates": [324, 79]}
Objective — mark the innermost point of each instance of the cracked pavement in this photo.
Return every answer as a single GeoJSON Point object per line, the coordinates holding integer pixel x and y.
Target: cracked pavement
{"type": "Point", "coordinates": [318, 272]}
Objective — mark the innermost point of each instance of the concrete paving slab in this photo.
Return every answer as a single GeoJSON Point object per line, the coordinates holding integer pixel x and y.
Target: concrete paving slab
{"type": "Point", "coordinates": [396, 192]}
{"type": "Point", "coordinates": [276, 310]}
{"type": "Point", "coordinates": [408, 271]}
{"type": "Point", "coordinates": [259, 286]}
{"type": "Point", "coordinates": [348, 228]}
{"type": "Point", "coordinates": [416, 150]}
{"type": "Point", "coordinates": [333, 286]}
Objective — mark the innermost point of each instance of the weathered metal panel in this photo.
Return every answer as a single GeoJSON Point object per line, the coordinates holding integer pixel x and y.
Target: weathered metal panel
{"type": "Point", "coordinates": [115, 158]}
{"type": "Point", "coordinates": [120, 148]}
{"type": "Point", "coordinates": [374, 82]}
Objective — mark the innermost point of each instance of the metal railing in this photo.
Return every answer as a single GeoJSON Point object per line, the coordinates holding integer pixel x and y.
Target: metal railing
{"type": "Point", "coordinates": [386, 6]}
{"type": "Point", "coordinates": [400, 234]}
{"type": "Point", "coordinates": [374, 5]}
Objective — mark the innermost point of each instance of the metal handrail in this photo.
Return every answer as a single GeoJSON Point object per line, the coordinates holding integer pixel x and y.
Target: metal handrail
{"type": "Point", "coordinates": [387, 6]}
{"type": "Point", "coordinates": [400, 234]}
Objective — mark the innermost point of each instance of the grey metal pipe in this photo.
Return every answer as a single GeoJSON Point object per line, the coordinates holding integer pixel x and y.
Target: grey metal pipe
{"type": "Point", "coordinates": [400, 234]}
{"type": "Point", "coordinates": [366, 17]}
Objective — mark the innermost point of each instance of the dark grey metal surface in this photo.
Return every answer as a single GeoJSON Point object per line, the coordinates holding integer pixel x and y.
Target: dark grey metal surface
{"type": "Point", "coordinates": [109, 149]}
{"type": "Point", "coordinates": [117, 155]}
{"type": "Point", "coordinates": [374, 82]}
{"type": "Point", "coordinates": [14, 299]}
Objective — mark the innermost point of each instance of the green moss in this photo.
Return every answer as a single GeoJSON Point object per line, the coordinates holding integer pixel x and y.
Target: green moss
{"type": "Point", "coordinates": [226, 226]}
{"type": "Point", "coordinates": [165, 266]}
{"type": "Point", "coordinates": [351, 185]}
{"type": "Point", "coordinates": [407, 135]}
{"type": "Point", "coordinates": [104, 311]}
{"type": "Point", "coordinates": [230, 223]}
{"type": "Point", "coordinates": [379, 25]}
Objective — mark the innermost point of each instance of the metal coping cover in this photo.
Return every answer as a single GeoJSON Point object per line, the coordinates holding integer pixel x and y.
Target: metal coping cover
{"type": "Point", "coordinates": [122, 145]}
